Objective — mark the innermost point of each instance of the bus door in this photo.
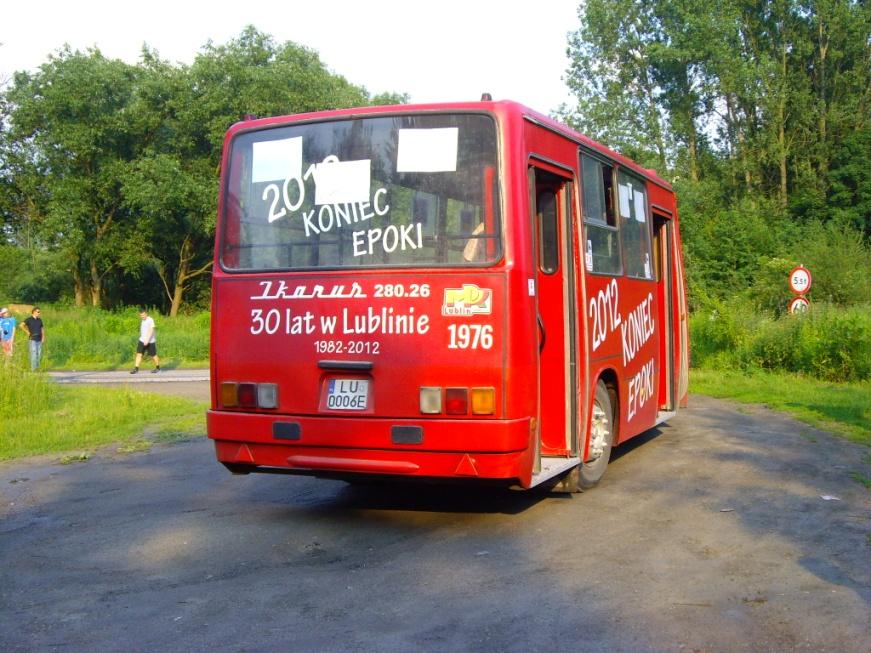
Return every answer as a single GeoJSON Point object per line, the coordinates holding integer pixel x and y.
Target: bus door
{"type": "Point", "coordinates": [663, 247]}
{"type": "Point", "coordinates": [551, 201]}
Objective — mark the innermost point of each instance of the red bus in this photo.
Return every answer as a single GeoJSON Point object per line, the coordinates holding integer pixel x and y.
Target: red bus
{"type": "Point", "coordinates": [465, 291]}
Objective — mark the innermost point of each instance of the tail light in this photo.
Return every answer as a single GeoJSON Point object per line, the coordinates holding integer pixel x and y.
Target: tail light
{"type": "Point", "coordinates": [229, 395]}
{"type": "Point", "coordinates": [430, 400]}
{"type": "Point", "coordinates": [267, 395]}
{"type": "Point", "coordinates": [483, 401]}
{"type": "Point", "coordinates": [457, 401]}
{"type": "Point", "coordinates": [249, 395]}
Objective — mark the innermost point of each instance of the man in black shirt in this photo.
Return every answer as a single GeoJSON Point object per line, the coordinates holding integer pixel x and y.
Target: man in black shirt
{"type": "Point", "coordinates": [36, 332]}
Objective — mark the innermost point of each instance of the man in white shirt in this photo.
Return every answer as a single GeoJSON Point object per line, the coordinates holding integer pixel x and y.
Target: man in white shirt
{"type": "Point", "coordinates": [147, 343]}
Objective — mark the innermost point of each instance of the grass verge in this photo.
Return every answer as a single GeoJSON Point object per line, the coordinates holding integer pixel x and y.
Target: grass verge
{"type": "Point", "coordinates": [840, 408]}
{"type": "Point", "coordinates": [39, 417]}
{"type": "Point", "coordinates": [95, 339]}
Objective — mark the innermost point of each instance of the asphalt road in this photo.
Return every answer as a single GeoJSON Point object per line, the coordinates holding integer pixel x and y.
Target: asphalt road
{"type": "Point", "coordinates": [730, 529]}
{"type": "Point", "coordinates": [192, 384]}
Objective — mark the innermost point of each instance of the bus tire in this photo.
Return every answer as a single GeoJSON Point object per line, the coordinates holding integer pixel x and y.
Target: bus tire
{"type": "Point", "coordinates": [602, 431]}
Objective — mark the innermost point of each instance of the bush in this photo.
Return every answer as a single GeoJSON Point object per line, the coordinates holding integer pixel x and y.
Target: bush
{"type": "Point", "coordinates": [724, 246]}
{"type": "Point", "coordinates": [840, 262]}
{"type": "Point", "coordinates": [712, 336]}
{"type": "Point", "coordinates": [834, 344]}
{"type": "Point", "coordinates": [829, 342]}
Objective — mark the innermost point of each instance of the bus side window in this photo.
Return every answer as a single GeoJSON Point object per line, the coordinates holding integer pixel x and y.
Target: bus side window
{"type": "Point", "coordinates": [602, 248]}
{"type": "Point", "coordinates": [635, 227]}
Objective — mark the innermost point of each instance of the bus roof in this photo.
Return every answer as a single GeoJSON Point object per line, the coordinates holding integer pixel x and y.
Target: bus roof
{"type": "Point", "coordinates": [499, 108]}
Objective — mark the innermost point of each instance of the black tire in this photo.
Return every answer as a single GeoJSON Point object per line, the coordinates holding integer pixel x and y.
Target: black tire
{"type": "Point", "coordinates": [602, 431]}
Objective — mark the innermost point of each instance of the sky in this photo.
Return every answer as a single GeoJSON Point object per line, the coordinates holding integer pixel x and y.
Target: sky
{"type": "Point", "coordinates": [435, 51]}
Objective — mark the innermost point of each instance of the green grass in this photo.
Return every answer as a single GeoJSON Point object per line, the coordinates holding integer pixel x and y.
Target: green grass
{"type": "Point", "coordinates": [94, 339]}
{"type": "Point", "coordinates": [39, 417]}
{"type": "Point", "coordinates": [840, 408]}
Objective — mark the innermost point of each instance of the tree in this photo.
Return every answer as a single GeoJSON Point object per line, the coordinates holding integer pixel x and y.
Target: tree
{"type": "Point", "coordinates": [185, 113]}
{"type": "Point", "coordinates": [761, 105]}
{"type": "Point", "coordinates": [778, 83]}
{"type": "Point", "coordinates": [254, 76]}
{"type": "Point", "coordinates": [612, 78]}
{"type": "Point", "coordinates": [116, 166]}
{"type": "Point", "coordinates": [70, 140]}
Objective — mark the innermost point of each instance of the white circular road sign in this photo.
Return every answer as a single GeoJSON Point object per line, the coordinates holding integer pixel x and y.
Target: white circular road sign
{"type": "Point", "coordinates": [800, 280]}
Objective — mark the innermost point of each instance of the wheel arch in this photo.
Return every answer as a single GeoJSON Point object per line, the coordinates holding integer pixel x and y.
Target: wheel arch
{"type": "Point", "coordinates": [608, 376]}
{"type": "Point", "coordinates": [611, 380]}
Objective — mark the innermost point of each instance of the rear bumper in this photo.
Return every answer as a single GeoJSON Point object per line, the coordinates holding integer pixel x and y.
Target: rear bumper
{"type": "Point", "coordinates": [461, 449]}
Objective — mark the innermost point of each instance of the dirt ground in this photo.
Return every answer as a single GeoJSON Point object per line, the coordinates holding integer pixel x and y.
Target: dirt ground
{"type": "Point", "coordinates": [729, 529]}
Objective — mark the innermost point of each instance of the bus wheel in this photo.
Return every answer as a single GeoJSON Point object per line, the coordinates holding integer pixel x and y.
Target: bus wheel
{"type": "Point", "coordinates": [601, 438]}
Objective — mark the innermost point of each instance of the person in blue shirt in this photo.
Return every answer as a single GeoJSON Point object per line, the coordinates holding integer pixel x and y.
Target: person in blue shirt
{"type": "Point", "coordinates": [7, 332]}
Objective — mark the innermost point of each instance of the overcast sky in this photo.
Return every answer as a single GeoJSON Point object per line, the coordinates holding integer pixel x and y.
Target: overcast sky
{"type": "Point", "coordinates": [434, 51]}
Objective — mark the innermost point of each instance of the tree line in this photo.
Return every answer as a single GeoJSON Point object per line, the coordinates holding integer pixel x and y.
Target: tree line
{"type": "Point", "coordinates": [759, 111]}
{"type": "Point", "coordinates": [109, 171]}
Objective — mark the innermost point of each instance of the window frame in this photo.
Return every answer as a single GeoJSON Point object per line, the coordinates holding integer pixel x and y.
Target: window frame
{"type": "Point", "coordinates": [600, 224]}
{"type": "Point", "coordinates": [497, 200]}
{"type": "Point", "coordinates": [635, 179]}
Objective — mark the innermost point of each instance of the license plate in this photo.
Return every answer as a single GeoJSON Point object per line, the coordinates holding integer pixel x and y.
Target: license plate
{"type": "Point", "coordinates": [347, 394]}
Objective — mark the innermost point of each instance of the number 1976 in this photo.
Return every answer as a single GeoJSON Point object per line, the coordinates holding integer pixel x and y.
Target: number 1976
{"type": "Point", "coordinates": [470, 336]}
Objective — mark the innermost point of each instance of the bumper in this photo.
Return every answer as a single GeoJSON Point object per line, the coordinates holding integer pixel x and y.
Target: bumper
{"type": "Point", "coordinates": [460, 449]}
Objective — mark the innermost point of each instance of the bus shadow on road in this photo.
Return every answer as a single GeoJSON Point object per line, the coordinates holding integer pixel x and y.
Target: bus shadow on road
{"type": "Point", "coordinates": [432, 497]}
{"type": "Point", "coordinates": [638, 441]}
{"type": "Point", "coordinates": [462, 497]}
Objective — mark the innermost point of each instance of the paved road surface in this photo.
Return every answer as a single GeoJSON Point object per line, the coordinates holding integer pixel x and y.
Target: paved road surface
{"type": "Point", "coordinates": [192, 384]}
{"type": "Point", "coordinates": [729, 530]}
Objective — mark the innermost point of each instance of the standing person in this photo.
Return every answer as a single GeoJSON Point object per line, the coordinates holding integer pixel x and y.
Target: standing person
{"type": "Point", "coordinates": [147, 343]}
{"type": "Point", "coordinates": [7, 332]}
{"type": "Point", "coordinates": [36, 332]}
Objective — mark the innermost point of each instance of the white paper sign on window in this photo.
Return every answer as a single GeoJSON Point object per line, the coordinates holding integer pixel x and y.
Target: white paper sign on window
{"type": "Point", "coordinates": [342, 182]}
{"type": "Point", "coordinates": [625, 204]}
{"type": "Point", "coordinates": [277, 160]}
{"type": "Point", "coordinates": [427, 150]}
{"type": "Point", "coordinates": [640, 212]}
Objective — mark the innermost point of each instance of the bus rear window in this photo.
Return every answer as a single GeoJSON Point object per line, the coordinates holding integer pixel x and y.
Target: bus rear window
{"type": "Point", "coordinates": [413, 190]}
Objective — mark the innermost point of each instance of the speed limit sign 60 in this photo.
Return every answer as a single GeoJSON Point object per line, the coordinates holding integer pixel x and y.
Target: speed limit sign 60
{"type": "Point", "coordinates": [800, 280]}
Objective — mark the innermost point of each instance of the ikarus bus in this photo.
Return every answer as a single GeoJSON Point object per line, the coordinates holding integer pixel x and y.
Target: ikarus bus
{"type": "Point", "coordinates": [465, 291]}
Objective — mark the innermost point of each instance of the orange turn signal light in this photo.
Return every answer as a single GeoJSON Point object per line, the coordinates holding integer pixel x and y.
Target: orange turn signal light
{"type": "Point", "coordinates": [483, 401]}
{"type": "Point", "coordinates": [229, 394]}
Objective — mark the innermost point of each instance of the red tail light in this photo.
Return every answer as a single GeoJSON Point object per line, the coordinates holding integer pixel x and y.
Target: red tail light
{"type": "Point", "coordinates": [248, 395]}
{"type": "Point", "coordinates": [456, 401]}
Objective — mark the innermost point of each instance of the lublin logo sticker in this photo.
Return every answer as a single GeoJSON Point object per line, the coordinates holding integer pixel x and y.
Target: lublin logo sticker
{"type": "Point", "coordinates": [468, 300]}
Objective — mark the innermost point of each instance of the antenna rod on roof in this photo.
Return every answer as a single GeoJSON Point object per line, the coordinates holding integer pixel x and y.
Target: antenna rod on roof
{"type": "Point", "coordinates": [486, 97]}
